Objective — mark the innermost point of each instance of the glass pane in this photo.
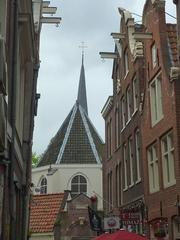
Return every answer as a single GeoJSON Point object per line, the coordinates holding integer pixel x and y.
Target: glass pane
{"type": "Point", "coordinates": [82, 179]}
{"type": "Point", "coordinates": [75, 179]}
{"type": "Point", "coordinates": [83, 188]}
{"type": "Point", "coordinates": [74, 188]}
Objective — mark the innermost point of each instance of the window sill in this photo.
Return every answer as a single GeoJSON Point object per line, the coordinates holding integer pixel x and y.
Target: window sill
{"type": "Point", "coordinates": [167, 185]}
{"type": "Point", "coordinates": [128, 121]}
{"type": "Point", "coordinates": [138, 181]}
{"type": "Point", "coordinates": [153, 191]}
{"type": "Point", "coordinates": [125, 189]}
{"type": "Point", "coordinates": [135, 111]}
{"type": "Point", "coordinates": [153, 123]}
{"type": "Point", "coordinates": [126, 74]}
{"type": "Point", "coordinates": [131, 185]}
{"type": "Point", "coordinates": [122, 129]}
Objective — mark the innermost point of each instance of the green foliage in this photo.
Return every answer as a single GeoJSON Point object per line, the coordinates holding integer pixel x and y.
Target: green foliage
{"type": "Point", "coordinates": [35, 159]}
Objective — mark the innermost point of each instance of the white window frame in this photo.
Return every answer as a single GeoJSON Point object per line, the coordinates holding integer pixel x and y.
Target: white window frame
{"type": "Point", "coordinates": [79, 184]}
{"type": "Point", "coordinates": [135, 95]}
{"type": "Point", "coordinates": [153, 169]}
{"type": "Point", "coordinates": [123, 113]}
{"type": "Point", "coordinates": [125, 160]}
{"type": "Point", "coordinates": [168, 160]}
{"type": "Point", "coordinates": [126, 63]}
{"type": "Point", "coordinates": [137, 152]}
{"type": "Point", "coordinates": [130, 161]}
{"type": "Point", "coordinates": [154, 58]}
{"type": "Point", "coordinates": [156, 100]}
{"type": "Point", "coordinates": [43, 186]}
{"type": "Point", "coordinates": [128, 100]}
{"type": "Point", "coordinates": [117, 132]}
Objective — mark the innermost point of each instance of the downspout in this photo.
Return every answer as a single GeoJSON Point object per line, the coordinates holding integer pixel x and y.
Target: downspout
{"type": "Point", "coordinates": [13, 122]}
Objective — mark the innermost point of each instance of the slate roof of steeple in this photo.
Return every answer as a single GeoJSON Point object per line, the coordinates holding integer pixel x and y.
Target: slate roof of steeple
{"type": "Point", "coordinates": [77, 141]}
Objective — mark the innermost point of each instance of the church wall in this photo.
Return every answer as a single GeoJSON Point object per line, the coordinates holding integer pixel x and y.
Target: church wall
{"type": "Point", "coordinates": [61, 179]}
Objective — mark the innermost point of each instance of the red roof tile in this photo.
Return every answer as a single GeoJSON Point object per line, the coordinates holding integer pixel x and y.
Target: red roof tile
{"type": "Point", "coordinates": [172, 36]}
{"type": "Point", "coordinates": [43, 212]}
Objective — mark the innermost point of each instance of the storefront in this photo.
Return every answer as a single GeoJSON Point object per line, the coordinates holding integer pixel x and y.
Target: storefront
{"type": "Point", "coordinates": [133, 217]}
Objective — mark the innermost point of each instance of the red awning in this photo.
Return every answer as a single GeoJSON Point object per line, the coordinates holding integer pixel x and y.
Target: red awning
{"type": "Point", "coordinates": [120, 235]}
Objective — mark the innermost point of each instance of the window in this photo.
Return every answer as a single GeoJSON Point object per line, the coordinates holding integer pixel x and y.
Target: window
{"type": "Point", "coordinates": [128, 100]}
{"type": "Point", "coordinates": [43, 186]}
{"type": "Point", "coordinates": [78, 185]}
{"type": "Point", "coordinates": [117, 185]}
{"type": "Point", "coordinates": [156, 100]}
{"type": "Point", "coordinates": [153, 169]}
{"type": "Point", "coordinates": [126, 65]}
{"type": "Point", "coordinates": [135, 94]}
{"type": "Point", "coordinates": [110, 190]}
{"type": "Point", "coordinates": [117, 132]}
{"type": "Point", "coordinates": [168, 160]}
{"type": "Point", "coordinates": [154, 55]}
{"type": "Point", "coordinates": [123, 112]}
{"type": "Point", "coordinates": [137, 152]}
{"type": "Point", "coordinates": [125, 167]}
{"type": "Point", "coordinates": [131, 161]}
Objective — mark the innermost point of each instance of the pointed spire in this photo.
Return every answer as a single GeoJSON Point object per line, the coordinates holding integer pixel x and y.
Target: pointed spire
{"type": "Point", "coordinates": [82, 99]}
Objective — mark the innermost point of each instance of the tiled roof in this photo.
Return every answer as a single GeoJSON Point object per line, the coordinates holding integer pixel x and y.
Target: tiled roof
{"type": "Point", "coordinates": [43, 212]}
{"type": "Point", "coordinates": [172, 37]}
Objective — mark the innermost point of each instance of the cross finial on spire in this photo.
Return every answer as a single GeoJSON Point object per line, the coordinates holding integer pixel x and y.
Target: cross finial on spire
{"type": "Point", "coordinates": [82, 46]}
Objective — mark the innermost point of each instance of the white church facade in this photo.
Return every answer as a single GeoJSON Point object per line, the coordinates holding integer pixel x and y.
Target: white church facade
{"type": "Point", "coordinates": [73, 159]}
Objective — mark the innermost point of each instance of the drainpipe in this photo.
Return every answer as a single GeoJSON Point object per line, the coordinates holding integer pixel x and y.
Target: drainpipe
{"type": "Point", "coordinates": [13, 122]}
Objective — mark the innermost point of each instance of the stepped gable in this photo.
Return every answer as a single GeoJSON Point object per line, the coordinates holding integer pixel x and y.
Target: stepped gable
{"type": "Point", "coordinates": [172, 39]}
{"type": "Point", "coordinates": [77, 141]}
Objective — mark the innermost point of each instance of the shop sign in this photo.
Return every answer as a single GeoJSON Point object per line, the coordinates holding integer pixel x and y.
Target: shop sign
{"type": "Point", "coordinates": [111, 223]}
{"type": "Point", "coordinates": [130, 218]}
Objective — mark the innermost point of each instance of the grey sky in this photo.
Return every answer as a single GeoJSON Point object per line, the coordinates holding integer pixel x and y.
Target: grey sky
{"type": "Point", "coordinates": [90, 21]}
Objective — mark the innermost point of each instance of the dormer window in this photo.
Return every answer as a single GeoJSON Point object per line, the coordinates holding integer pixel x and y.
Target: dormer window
{"type": "Point", "coordinates": [154, 55]}
{"type": "Point", "coordinates": [126, 65]}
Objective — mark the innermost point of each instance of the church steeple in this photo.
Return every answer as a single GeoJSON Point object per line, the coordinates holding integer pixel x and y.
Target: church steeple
{"type": "Point", "coordinates": [82, 98]}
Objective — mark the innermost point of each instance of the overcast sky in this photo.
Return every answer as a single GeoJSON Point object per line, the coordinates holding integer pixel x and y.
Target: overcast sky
{"type": "Point", "coordinates": [90, 21]}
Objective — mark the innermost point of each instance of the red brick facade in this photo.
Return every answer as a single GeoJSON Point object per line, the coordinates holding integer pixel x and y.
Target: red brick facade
{"type": "Point", "coordinates": [151, 49]}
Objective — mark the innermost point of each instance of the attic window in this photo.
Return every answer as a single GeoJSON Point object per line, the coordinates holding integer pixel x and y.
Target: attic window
{"type": "Point", "coordinates": [154, 55]}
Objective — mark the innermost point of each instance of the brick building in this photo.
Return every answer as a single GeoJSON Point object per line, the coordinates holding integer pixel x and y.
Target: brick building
{"type": "Point", "coordinates": [141, 167]}
{"type": "Point", "coordinates": [122, 167]}
{"type": "Point", "coordinates": [19, 63]}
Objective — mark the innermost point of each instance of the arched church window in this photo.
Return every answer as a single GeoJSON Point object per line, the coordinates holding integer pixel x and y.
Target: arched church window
{"type": "Point", "coordinates": [78, 185]}
{"type": "Point", "coordinates": [43, 186]}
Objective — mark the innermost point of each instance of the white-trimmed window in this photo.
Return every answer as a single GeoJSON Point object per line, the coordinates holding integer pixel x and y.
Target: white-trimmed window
{"type": "Point", "coordinates": [78, 185]}
{"type": "Point", "coordinates": [130, 161]}
{"type": "Point", "coordinates": [125, 167]}
{"type": "Point", "coordinates": [135, 94]}
{"type": "Point", "coordinates": [137, 152]}
{"type": "Point", "coordinates": [168, 160]}
{"type": "Point", "coordinates": [156, 100]}
{"type": "Point", "coordinates": [43, 186]}
{"type": "Point", "coordinates": [123, 112]}
{"type": "Point", "coordinates": [128, 100]}
{"type": "Point", "coordinates": [117, 132]}
{"type": "Point", "coordinates": [154, 55]}
{"type": "Point", "coordinates": [126, 64]}
{"type": "Point", "coordinates": [153, 169]}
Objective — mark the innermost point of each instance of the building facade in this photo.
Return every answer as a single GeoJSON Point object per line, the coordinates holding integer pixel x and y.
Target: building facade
{"type": "Point", "coordinates": [143, 138]}
{"type": "Point", "coordinates": [122, 166]}
{"type": "Point", "coordinates": [73, 158]}
{"type": "Point", "coordinates": [19, 64]}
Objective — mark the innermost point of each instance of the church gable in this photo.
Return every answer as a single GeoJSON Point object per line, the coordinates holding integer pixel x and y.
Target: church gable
{"type": "Point", "coordinates": [50, 155]}
{"type": "Point", "coordinates": [78, 149]}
